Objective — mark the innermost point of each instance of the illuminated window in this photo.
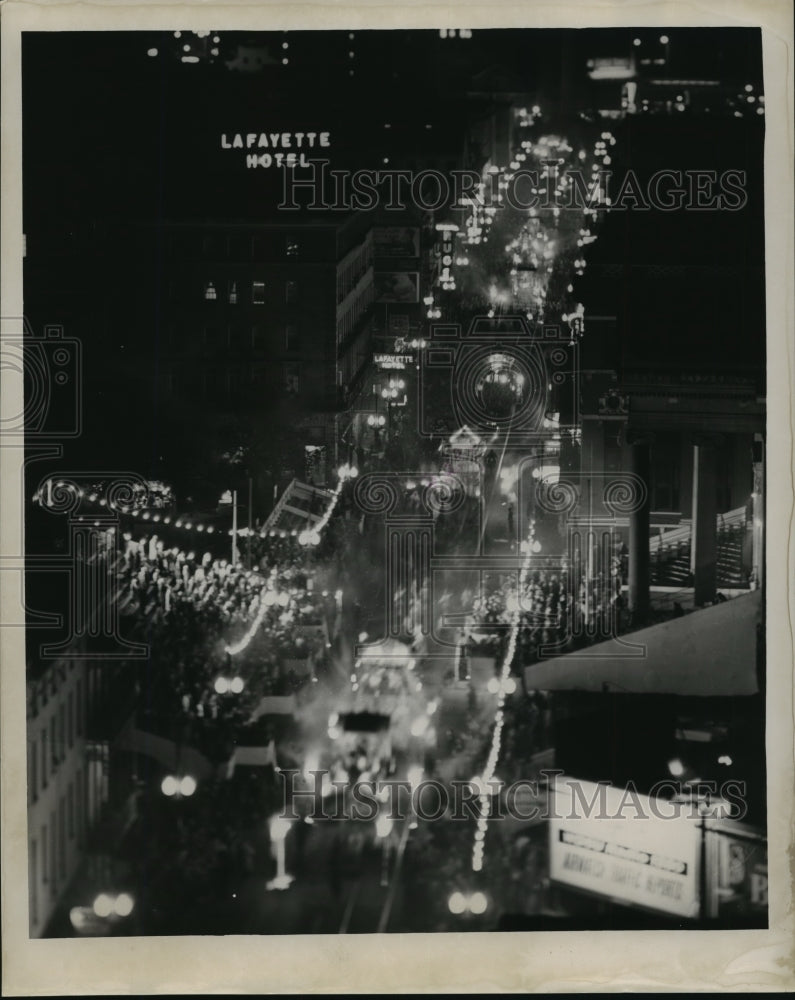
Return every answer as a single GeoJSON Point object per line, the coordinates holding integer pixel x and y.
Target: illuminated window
{"type": "Point", "coordinates": [258, 293]}
{"type": "Point", "coordinates": [293, 247]}
{"type": "Point", "coordinates": [209, 291]}
{"type": "Point", "coordinates": [232, 293]}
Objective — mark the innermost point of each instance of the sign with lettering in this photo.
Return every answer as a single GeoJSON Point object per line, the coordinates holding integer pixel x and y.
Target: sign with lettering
{"type": "Point", "coordinates": [628, 847]}
{"type": "Point", "coordinates": [393, 361]}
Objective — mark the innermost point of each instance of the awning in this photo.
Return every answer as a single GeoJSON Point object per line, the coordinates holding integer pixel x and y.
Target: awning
{"type": "Point", "coordinates": [300, 508]}
{"type": "Point", "coordinates": [706, 653]}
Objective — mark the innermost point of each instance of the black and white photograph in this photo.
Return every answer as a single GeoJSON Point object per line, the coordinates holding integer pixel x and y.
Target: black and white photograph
{"type": "Point", "coordinates": [393, 466]}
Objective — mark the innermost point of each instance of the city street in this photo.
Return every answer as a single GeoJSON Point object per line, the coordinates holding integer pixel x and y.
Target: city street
{"type": "Point", "coordinates": [444, 438]}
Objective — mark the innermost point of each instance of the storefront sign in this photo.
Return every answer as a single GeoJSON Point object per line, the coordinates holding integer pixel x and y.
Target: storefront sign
{"type": "Point", "coordinates": [603, 840]}
{"type": "Point", "coordinates": [616, 68]}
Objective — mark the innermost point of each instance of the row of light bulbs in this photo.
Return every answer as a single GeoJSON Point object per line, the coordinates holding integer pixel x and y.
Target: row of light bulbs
{"type": "Point", "coordinates": [487, 779]}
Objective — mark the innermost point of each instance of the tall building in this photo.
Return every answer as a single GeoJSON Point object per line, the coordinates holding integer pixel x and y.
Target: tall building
{"type": "Point", "coordinates": [80, 787]}
{"type": "Point", "coordinates": [261, 332]}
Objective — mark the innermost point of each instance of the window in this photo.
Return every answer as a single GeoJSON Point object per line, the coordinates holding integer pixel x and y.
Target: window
{"type": "Point", "coordinates": [62, 838]}
{"type": "Point", "coordinates": [61, 731]}
{"type": "Point", "coordinates": [234, 338]}
{"type": "Point", "coordinates": [258, 293]}
{"type": "Point", "coordinates": [236, 247]}
{"type": "Point", "coordinates": [212, 336]}
{"type": "Point", "coordinates": [44, 757]}
{"type": "Point", "coordinates": [79, 804]}
{"type": "Point", "coordinates": [234, 381]}
{"type": "Point", "coordinates": [291, 379]}
{"type": "Point", "coordinates": [53, 859]}
{"type": "Point", "coordinates": [213, 383]}
{"type": "Point", "coordinates": [34, 879]}
{"type": "Point", "coordinates": [70, 804]}
{"type": "Point", "coordinates": [44, 868]}
{"type": "Point", "coordinates": [33, 780]}
{"type": "Point", "coordinates": [232, 293]}
{"type": "Point", "coordinates": [80, 707]}
{"type": "Point", "coordinates": [291, 338]}
{"type": "Point", "coordinates": [291, 292]}
{"type": "Point", "coordinates": [293, 247]}
{"type": "Point", "coordinates": [257, 338]}
{"type": "Point", "coordinates": [53, 747]}
{"type": "Point", "coordinates": [209, 292]}
{"type": "Point", "coordinates": [70, 721]}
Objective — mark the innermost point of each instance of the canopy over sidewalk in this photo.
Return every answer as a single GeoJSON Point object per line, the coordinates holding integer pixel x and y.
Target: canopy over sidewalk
{"type": "Point", "coordinates": [706, 653]}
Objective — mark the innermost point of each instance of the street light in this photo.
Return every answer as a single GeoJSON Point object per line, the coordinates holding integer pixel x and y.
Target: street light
{"type": "Point", "coordinates": [106, 905]}
{"type": "Point", "coordinates": [173, 786]}
{"type": "Point", "coordinates": [507, 686]}
{"type": "Point", "coordinates": [229, 685]}
{"type": "Point", "coordinates": [347, 471]}
{"type": "Point", "coordinates": [462, 904]}
{"type": "Point", "coordinates": [676, 768]}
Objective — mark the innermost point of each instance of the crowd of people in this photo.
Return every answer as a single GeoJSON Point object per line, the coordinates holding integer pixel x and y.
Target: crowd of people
{"type": "Point", "coordinates": [191, 611]}
{"type": "Point", "coordinates": [555, 612]}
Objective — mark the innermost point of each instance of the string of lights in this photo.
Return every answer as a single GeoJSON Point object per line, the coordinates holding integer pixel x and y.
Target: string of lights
{"type": "Point", "coordinates": [268, 597]}
{"type": "Point", "coordinates": [486, 782]}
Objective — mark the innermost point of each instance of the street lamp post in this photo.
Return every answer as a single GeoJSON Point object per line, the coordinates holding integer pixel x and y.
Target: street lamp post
{"type": "Point", "coordinates": [383, 831]}
{"type": "Point", "coordinates": [279, 828]}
